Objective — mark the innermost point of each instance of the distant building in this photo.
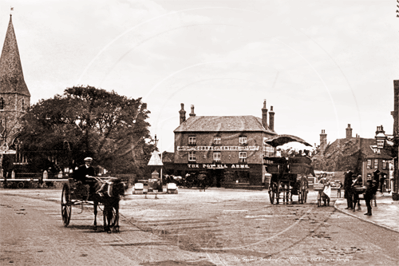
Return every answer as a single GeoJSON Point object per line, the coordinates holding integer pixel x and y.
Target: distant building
{"type": "Point", "coordinates": [14, 96]}
{"type": "Point", "coordinates": [229, 149]}
{"type": "Point", "coordinates": [361, 155]}
{"type": "Point", "coordinates": [395, 114]}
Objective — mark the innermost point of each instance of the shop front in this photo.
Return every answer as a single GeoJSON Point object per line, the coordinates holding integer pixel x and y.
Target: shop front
{"type": "Point", "coordinates": [223, 175]}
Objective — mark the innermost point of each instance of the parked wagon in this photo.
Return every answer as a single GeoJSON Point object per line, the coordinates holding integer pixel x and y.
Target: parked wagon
{"type": "Point", "coordinates": [289, 176]}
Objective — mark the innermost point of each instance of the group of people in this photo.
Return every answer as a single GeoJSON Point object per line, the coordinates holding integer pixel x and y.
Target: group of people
{"type": "Point", "coordinates": [352, 182]}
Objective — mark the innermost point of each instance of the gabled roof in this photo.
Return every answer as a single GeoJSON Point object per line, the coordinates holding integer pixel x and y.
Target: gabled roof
{"type": "Point", "coordinates": [11, 76]}
{"type": "Point", "coordinates": [223, 124]}
{"type": "Point", "coordinates": [168, 157]}
{"type": "Point", "coordinates": [353, 145]}
{"type": "Point", "coordinates": [369, 150]}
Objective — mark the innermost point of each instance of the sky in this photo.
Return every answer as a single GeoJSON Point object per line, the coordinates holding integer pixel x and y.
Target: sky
{"type": "Point", "coordinates": [320, 64]}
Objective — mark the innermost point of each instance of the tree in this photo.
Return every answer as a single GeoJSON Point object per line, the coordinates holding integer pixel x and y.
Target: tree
{"type": "Point", "coordinates": [86, 121]}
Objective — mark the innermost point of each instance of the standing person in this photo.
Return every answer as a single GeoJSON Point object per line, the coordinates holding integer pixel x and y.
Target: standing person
{"type": "Point", "coordinates": [348, 189]}
{"type": "Point", "coordinates": [339, 189]}
{"type": "Point", "coordinates": [368, 195]}
{"type": "Point", "coordinates": [357, 181]}
{"type": "Point", "coordinates": [382, 183]}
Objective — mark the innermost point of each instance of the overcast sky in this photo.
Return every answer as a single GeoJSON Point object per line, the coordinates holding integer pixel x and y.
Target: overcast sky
{"type": "Point", "coordinates": [320, 64]}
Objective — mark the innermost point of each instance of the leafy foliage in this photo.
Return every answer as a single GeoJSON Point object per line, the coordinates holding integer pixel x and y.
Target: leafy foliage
{"type": "Point", "coordinates": [86, 121]}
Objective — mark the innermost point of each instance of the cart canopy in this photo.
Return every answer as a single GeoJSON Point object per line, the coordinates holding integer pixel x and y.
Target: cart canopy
{"type": "Point", "coordinates": [284, 139]}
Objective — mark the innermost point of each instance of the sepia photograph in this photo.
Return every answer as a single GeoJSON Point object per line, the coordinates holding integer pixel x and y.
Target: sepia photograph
{"type": "Point", "coordinates": [197, 132]}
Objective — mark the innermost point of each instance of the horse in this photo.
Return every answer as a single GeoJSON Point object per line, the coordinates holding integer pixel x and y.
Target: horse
{"type": "Point", "coordinates": [109, 194]}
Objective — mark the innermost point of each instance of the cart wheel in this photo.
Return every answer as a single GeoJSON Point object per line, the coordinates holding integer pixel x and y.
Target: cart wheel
{"type": "Point", "coordinates": [271, 196]}
{"type": "Point", "coordinates": [66, 208]}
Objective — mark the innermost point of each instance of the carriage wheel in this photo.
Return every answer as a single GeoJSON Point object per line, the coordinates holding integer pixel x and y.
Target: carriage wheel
{"type": "Point", "coordinates": [66, 207]}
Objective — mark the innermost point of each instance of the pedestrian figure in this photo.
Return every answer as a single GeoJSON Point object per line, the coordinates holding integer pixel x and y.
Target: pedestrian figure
{"type": "Point", "coordinates": [339, 189]}
{"type": "Point", "coordinates": [371, 190]}
{"type": "Point", "coordinates": [348, 189]}
{"type": "Point", "coordinates": [376, 178]}
{"type": "Point", "coordinates": [357, 181]}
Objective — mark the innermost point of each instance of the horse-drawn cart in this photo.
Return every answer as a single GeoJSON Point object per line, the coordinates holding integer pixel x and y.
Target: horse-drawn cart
{"type": "Point", "coordinates": [95, 191]}
{"type": "Point", "coordinates": [289, 176]}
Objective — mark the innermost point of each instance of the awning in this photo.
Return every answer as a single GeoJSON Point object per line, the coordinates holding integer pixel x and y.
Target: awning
{"type": "Point", "coordinates": [284, 139]}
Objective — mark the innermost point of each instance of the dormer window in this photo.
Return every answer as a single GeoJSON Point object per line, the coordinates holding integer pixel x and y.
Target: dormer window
{"type": "Point", "coordinates": [192, 140]}
{"type": "Point", "coordinates": [243, 140]}
{"type": "Point", "coordinates": [217, 140]}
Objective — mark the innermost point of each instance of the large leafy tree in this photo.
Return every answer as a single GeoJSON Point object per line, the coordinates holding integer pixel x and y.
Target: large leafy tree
{"type": "Point", "coordinates": [86, 121]}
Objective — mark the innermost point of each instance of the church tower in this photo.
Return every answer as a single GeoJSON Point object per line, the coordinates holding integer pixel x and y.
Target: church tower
{"type": "Point", "coordinates": [14, 94]}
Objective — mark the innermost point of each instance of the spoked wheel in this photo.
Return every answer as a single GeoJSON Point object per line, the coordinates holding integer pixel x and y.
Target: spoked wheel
{"type": "Point", "coordinates": [66, 207]}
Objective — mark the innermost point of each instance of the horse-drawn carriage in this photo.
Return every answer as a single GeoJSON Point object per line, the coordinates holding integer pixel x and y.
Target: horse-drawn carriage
{"type": "Point", "coordinates": [96, 191]}
{"type": "Point", "coordinates": [289, 176]}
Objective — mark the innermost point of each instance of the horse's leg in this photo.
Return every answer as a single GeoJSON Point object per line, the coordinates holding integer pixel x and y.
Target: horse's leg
{"type": "Point", "coordinates": [95, 215]}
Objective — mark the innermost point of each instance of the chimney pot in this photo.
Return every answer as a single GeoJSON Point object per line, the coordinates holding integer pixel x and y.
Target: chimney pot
{"type": "Point", "coordinates": [192, 110]}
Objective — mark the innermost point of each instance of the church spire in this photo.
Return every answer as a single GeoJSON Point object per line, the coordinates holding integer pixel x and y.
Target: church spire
{"type": "Point", "coordinates": [11, 76]}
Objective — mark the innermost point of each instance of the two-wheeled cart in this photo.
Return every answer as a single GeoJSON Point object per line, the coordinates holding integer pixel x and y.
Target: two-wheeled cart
{"type": "Point", "coordinates": [77, 194]}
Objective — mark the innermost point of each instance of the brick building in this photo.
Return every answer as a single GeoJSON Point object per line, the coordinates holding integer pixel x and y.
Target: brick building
{"type": "Point", "coordinates": [361, 155]}
{"type": "Point", "coordinates": [14, 94]}
{"type": "Point", "coordinates": [229, 149]}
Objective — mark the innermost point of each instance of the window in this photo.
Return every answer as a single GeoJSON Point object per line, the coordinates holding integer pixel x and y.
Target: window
{"type": "Point", "coordinates": [217, 156]}
{"type": "Point", "coordinates": [191, 156]}
{"type": "Point", "coordinates": [242, 157]}
{"type": "Point", "coordinates": [384, 164]}
{"type": "Point", "coordinates": [217, 140]}
{"type": "Point", "coordinates": [269, 151]}
{"type": "Point", "coordinates": [23, 104]}
{"type": "Point", "coordinates": [192, 140]}
{"type": "Point", "coordinates": [1, 103]}
{"type": "Point", "coordinates": [242, 140]}
{"type": "Point", "coordinates": [376, 164]}
{"type": "Point", "coordinates": [369, 164]}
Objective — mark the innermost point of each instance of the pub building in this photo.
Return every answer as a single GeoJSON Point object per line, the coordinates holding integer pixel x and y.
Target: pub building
{"type": "Point", "coordinates": [228, 149]}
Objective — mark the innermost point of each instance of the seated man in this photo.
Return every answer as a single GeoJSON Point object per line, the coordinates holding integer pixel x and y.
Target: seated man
{"type": "Point", "coordinates": [83, 187]}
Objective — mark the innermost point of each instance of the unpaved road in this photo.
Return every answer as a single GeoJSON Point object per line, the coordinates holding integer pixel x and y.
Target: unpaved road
{"type": "Point", "coordinates": [218, 227]}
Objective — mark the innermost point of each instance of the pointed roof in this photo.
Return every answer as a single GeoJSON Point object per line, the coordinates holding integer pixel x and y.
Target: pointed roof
{"type": "Point", "coordinates": [11, 76]}
{"type": "Point", "coordinates": [155, 160]}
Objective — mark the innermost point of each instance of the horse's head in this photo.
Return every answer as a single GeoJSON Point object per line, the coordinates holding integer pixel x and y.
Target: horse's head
{"type": "Point", "coordinates": [118, 188]}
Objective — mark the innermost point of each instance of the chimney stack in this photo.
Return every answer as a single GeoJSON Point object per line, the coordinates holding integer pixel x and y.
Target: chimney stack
{"type": "Point", "coordinates": [323, 139]}
{"type": "Point", "coordinates": [264, 115]}
{"type": "Point", "coordinates": [182, 113]}
{"type": "Point", "coordinates": [349, 132]}
{"type": "Point", "coordinates": [192, 110]}
{"type": "Point", "coordinates": [271, 119]}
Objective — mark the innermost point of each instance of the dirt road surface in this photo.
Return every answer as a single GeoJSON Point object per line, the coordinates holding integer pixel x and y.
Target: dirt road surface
{"type": "Point", "coordinates": [216, 227]}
